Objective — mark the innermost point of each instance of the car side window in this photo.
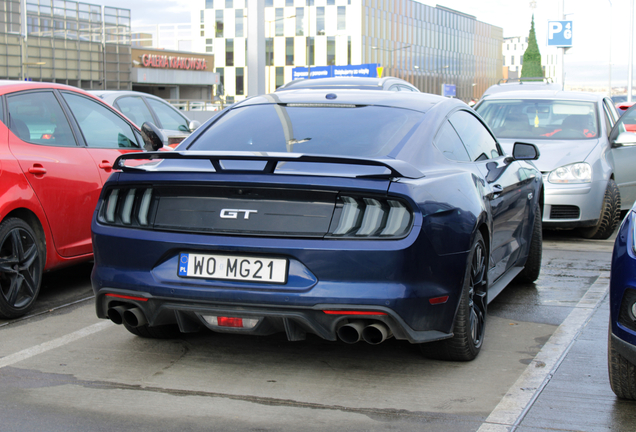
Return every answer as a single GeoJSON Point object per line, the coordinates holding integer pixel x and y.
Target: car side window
{"type": "Point", "coordinates": [101, 127]}
{"type": "Point", "coordinates": [478, 141]}
{"type": "Point", "coordinates": [447, 141]}
{"type": "Point", "coordinates": [38, 118]}
{"type": "Point", "coordinates": [168, 116]}
{"type": "Point", "coordinates": [135, 109]}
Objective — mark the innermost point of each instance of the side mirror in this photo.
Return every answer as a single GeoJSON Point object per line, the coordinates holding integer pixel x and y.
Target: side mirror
{"type": "Point", "coordinates": [193, 125]}
{"type": "Point", "coordinates": [153, 137]}
{"type": "Point", "coordinates": [525, 151]}
{"type": "Point", "coordinates": [624, 139]}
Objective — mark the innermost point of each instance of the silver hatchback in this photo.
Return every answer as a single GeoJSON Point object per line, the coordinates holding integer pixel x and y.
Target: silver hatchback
{"type": "Point", "coordinates": [588, 154]}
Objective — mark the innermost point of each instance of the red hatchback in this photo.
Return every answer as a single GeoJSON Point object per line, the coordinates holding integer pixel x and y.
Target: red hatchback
{"type": "Point", "coordinates": [57, 148]}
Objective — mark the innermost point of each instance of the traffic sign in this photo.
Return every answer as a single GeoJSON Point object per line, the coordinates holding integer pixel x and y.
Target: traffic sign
{"type": "Point", "coordinates": [560, 33]}
{"type": "Point", "coordinates": [449, 90]}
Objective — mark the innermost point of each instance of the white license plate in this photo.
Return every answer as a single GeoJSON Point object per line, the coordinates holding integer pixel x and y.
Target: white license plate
{"type": "Point", "coordinates": [233, 267]}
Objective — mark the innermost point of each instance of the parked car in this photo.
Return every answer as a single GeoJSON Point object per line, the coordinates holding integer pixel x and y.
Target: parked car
{"type": "Point", "coordinates": [621, 107]}
{"type": "Point", "coordinates": [362, 83]}
{"type": "Point", "coordinates": [621, 348]}
{"type": "Point", "coordinates": [523, 84]}
{"type": "Point", "coordinates": [143, 107]}
{"type": "Point", "coordinates": [357, 214]}
{"type": "Point", "coordinates": [57, 148]}
{"type": "Point", "coordinates": [587, 157]}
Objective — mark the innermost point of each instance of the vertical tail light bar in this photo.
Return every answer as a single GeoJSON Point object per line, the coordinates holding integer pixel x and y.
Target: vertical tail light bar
{"type": "Point", "coordinates": [398, 220]}
{"type": "Point", "coordinates": [111, 205]}
{"type": "Point", "coordinates": [126, 212]}
{"type": "Point", "coordinates": [349, 218]}
{"type": "Point", "coordinates": [144, 206]}
{"type": "Point", "coordinates": [372, 218]}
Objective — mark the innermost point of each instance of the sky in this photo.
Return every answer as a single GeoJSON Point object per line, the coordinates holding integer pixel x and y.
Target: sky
{"type": "Point", "coordinates": [597, 24]}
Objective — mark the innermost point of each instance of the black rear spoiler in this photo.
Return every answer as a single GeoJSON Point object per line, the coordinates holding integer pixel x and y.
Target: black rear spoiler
{"type": "Point", "coordinates": [398, 168]}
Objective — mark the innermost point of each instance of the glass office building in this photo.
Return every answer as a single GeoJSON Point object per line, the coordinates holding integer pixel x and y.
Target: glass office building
{"type": "Point", "coordinates": [427, 46]}
{"type": "Point", "coordinates": [68, 42]}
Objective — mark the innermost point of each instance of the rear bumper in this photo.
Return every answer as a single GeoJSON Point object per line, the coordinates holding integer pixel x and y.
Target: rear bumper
{"type": "Point", "coordinates": [296, 322]}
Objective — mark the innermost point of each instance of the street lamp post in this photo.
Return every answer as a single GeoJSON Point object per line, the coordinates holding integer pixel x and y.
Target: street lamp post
{"type": "Point", "coordinates": [391, 51]}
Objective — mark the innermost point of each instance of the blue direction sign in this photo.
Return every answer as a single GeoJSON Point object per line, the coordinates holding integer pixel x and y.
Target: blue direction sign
{"type": "Point", "coordinates": [560, 33]}
{"type": "Point", "coordinates": [449, 90]}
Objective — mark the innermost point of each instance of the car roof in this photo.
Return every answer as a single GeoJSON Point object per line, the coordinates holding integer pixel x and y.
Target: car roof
{"type": "Point", "coordinates": [9, 85]}
{"type": "Point", "coordinates": [344, 82]}
{"type": "Point", "coordinates": [546, 94]}
{"type": "Point", "coordinates": [116, 93]}
{"type": "Point", "coordinates": [522, 85]}
{"type": "Point", "coordinates": [408, 100]}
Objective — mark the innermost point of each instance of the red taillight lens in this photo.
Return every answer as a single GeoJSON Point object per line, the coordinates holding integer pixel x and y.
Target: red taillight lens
{"type": "Point", "coordinates": [344, 312]}
{"type": "Point", "coordinates": [438, 300]}
{"type": "Point", "coordinates": [229, 322]}
{"type": "Point", "coordinates": [127, 297]}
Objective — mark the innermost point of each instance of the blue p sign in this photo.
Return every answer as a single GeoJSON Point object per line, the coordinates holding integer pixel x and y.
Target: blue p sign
{"type": "Point", "coordinates": [560, 33]}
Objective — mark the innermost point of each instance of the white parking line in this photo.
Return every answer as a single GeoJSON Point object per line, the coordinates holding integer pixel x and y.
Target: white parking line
{"type": "Point", "coordinates": [520, 397]}
{"type": "Point", "coordinates": [52, 344]}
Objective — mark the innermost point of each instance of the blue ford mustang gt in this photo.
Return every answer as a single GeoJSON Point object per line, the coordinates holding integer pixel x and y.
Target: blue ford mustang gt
{"type": "Point", "coordinates": [622, 327]}
{"type": "Point", "coordinates": [358, 215]}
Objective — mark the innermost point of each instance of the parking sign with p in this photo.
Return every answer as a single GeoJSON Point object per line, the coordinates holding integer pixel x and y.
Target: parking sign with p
{"type": "Point", "coordinates": [560, 33]}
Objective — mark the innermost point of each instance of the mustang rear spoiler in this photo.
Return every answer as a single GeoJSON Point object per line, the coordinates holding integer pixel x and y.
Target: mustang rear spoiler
{"type": "Point", "coordinates": [398, 168]}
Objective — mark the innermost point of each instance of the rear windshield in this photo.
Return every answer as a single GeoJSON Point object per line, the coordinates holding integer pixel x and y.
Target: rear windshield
{"type": "Point", "coordinates": [541, 119]}
{"type": "Point", "coordinates": [339, 130]}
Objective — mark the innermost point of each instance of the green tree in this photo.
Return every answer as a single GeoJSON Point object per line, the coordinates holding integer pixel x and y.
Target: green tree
{"type": "Point", "coordinates": [532, 57]}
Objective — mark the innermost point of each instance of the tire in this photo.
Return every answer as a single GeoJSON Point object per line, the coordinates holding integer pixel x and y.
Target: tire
{"type": "Point", "coordinates": [532, 269]}
{"type": "Point", "coordinates": [169, 331]}
{"type": "Point", "coordinates": [21, 266]}
{"type": "Point", "coordinates": [622, 373]}
{"type": "Point", "coordinates": [610, 215]}
{"type": "Point", "coordinates": [470, 320]}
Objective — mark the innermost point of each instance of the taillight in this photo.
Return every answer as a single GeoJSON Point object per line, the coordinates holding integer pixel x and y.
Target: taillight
{"type": "Point", "coordinates": [126, 206]}
{"type": "Point", "coordinates": [233, 322]}
{"type": "Point", "coordinates": [371, 217]}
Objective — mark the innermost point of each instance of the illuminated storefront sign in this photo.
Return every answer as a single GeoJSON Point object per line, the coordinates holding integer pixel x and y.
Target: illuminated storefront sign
{"type": "Point", "coordinates": [169, 62]}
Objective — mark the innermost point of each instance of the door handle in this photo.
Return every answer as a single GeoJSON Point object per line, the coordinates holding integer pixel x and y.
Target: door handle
{"type": "Point", "coordinates": [105, 165]}
{"type": "Point", "coordinates": [37, 169]}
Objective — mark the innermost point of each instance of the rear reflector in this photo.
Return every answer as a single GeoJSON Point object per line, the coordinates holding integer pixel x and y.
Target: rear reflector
{"type": "Point", "coordinates": [343, 312]}
{"type": "Point", "coordinates": [234, 322]}
{"type": "Point", "coordinates": [127, 297]}
{"type": "Point", "coordinates": [438, 300]}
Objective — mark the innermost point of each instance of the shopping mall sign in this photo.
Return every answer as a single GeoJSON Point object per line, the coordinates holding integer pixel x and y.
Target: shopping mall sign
{"type": "Point", "coordinates": [369, 70]}
{"type": "Point", "coordinates": [173, 62]}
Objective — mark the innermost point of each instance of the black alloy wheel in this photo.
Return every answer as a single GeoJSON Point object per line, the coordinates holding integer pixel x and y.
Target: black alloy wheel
{"type": "Point", "coordinates": [477, 294]}
{"type": "Point", "coordinates": [470, 322]}
{"type": "Point", "coordinates": [20, 268]}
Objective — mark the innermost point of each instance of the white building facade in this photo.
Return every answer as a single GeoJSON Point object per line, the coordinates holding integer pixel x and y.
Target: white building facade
{"type": "Point", "coordinates": [427, 46]}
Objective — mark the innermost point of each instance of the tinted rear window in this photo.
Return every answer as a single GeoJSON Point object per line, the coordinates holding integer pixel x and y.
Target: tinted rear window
{"type": "Point", "coordinates": [367, 131]}
{"type": "Point", "coordinates": [541, 119]}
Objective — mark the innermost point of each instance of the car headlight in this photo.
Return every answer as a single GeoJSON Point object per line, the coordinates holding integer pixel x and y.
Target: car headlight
{"type": "Point", "coordinates": [576, 173]}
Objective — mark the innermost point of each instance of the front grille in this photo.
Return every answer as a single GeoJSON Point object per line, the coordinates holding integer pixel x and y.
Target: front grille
{"type": "Point", "coordinates": [564, 212]}
{"type": "Point", "coordinates": [255, 212]}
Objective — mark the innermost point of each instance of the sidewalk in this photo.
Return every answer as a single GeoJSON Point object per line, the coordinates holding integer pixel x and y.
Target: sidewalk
{"type": "Point", "coordinates": [579, 397]}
